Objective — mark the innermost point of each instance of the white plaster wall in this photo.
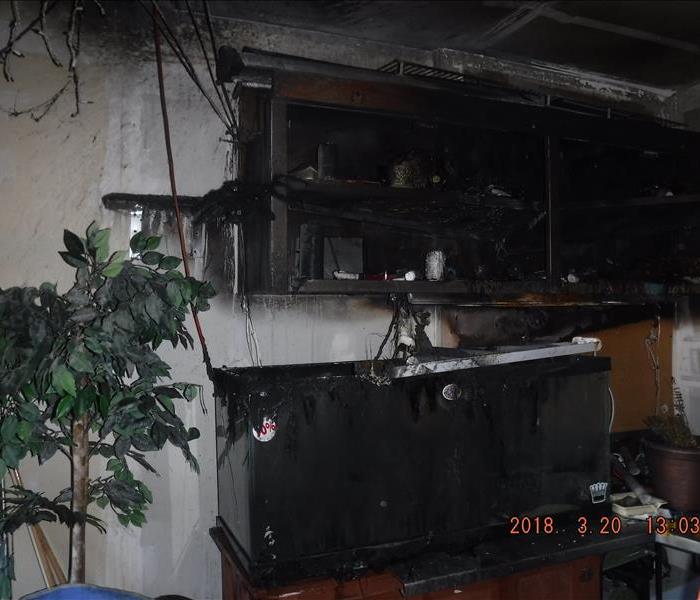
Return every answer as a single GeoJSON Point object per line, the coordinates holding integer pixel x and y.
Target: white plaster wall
{"type": "Point", "coordinates": [53, 175]}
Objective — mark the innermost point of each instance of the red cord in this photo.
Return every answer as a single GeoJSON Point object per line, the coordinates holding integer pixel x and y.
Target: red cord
{"type": "Point", "coordinates": [171, 170]}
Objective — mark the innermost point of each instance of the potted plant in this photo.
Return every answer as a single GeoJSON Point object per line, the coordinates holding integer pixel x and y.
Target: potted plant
{"type": "Point", "coordinates": [673, 456]}
{"type": "Point", "coordinates": [80, 375]}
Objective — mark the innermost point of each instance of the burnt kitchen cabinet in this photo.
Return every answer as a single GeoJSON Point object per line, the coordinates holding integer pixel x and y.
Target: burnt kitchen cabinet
{"type": "Point", "coordinates": [382, 472]}
{"type": "Point", "coordinates": [527, 200]}
{"type": "Point", "coordinates": [575, 580]}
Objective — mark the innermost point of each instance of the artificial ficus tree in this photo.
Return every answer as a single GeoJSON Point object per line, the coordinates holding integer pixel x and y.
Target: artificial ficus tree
{"type": "Point", "coordinates": [80, 375]}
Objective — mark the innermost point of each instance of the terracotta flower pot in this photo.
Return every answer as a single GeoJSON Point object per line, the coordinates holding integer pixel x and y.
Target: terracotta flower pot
{"type": "Point", "coordinates": [675, 473]}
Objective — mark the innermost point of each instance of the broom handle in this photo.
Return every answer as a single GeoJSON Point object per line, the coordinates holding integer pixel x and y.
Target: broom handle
{"type": "Point", "coordinates": [48, 564]}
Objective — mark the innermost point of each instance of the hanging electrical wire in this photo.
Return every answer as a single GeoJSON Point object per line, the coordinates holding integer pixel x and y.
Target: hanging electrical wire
{"type": "Point", "coordinates": [214, 46]}
{"type": "Point", "coordinates": [225, 111]}
{"type": "Point", "coordinates": [167, 33]}
{"type": "Point", "coordinates": [173, 189]}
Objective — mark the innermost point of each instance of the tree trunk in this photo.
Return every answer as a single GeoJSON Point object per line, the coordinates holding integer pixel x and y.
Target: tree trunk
{"type": "Point", "coordinates": [79, 482]}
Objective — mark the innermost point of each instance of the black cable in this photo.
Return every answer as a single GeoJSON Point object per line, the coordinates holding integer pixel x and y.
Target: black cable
{"type": "Point", "coordinates": [393, 324]}
{"type": "Point", "coordinates": [216, 61]}
{"type": "Point", "coordinates": [206, 59]}
{"type": "Point", "coordinates": [177, 50]}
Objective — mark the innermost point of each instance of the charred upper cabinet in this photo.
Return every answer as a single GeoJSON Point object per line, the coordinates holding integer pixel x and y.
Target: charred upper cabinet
{"type": "Point", "coordinates": [370, 171]}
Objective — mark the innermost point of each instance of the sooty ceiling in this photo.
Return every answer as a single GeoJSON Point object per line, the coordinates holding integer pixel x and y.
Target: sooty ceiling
{"type": "Point", "coordinates": [656, 43]}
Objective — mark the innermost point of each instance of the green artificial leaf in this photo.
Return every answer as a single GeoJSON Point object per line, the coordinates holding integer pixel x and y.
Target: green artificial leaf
{"type": "Point", "coordinates": [47, 451]}
{"type": "Point", "coordinates": [100, 243]}
{"type": "Point", "coordinates": [83, 315]}
{"type": "Point", "coordinates": [192, 434]}
{"type": "Point", "coordinates": [78, 297]}
{"type": "Point", "coordinates": [79, 361]}
{"type": "Point", "coordinates": [169, 391]}
{"type": "Point", "coordinates": [114, 464]}
{"type": "Point", "coordinates": [11, 455]}
{"type": "Point", "coordinates": [29, 411]}
{"type": "Point", "coordinates": [169, 262]}
{"type": "Point", "coordinates": [73, 243]}
{"type": "Point", "coordinates": [172, 290]}
{"type": "Point", "coordinates": [93, 345]}
{"type": "Point", "coordinates": [143, 443]}
{"type": "Point", "coordinates": [102, 502]}
{"type": "Point", "coordinates": [153, 242]}
{"type": "Point", "coordinates": [24, 430]}
{"type": "Point", "coordinates": [124, 476]}
{"type": "Point", "coordinates": [86, 398]}
{"type": "Point", "coordinates": [207, 290]}
{"type": "Point", "coordinates": [91, 230]}
{"type": "Point", "coordinates": [63, 381]}
{"type": "Point", "coordinates": [151, 258]}
{"type": "Point", "coordinates": [145, 492]}
{"type": "Point", "coordinates": [121, 446]}
{"type": "Point", "coordinates": [186, 290]}
{"type": "Point", "coordinates": [122, 493]}
{"type": "Point", "coordinates": [113, 269]}
{"type": "Point", "coordinates": [173, 275]}
{"type": "Point", "coordinates": [66, 495]}
{"type": "Point", "coordinates": [154, 307]}
{"type": "Point", "coordinates": [8, 430]}
{"type": "Point", "coordinates": [159, 434]}
{"type": "Point", "coordinates": [123, 519]}
{"type": "Point", "coordinates": [138, 242]}
{"type": "Point", "coordinates": [73, 261]}
{"type": "Point", "coordinates": [138, 518]}
{"type": "Point", "coordinates": [64, 407]}
{"type": "Point", "coordinates": [167, 403]}
{"type": "Point", "coordinates": [5, 586]}
{"type": "Point", "coordinates": [29, 392]}
{"type": "Point", "coordinates": [3, 469]}
{"type": "Point", "coordinates": [190, 392]}
{"type": "Point", "coordinates": [103, 403]}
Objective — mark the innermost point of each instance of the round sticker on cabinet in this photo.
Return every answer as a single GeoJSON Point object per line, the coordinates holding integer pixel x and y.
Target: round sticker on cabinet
{"type": "Point", "coordinates": [266, 431]}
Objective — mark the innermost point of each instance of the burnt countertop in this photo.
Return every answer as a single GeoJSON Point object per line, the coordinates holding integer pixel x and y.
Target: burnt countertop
{"type": "Point", "coordinates": [515, 553]}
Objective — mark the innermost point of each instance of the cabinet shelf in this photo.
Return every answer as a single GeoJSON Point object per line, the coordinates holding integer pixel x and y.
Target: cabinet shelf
{"type": "Point", "coordinates": [506, 293]}
{"type": "Point", "coordinates": [334, 191]}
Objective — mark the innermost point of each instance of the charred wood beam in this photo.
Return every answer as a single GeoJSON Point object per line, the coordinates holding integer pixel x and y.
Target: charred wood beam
{"type": "Point", "coordinates": [119, 201]}
{"type": "Point", "coordinates": [509, 293]}
{"type": "Point", "coordinates": [427, 229]}
{"type": "Point", "coordinates": [402, 98]}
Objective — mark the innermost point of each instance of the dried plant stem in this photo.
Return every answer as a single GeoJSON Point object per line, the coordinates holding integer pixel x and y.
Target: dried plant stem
{"type": "Point", "coordinates": [73, 43]}
{"type": "Point", "coordinates": [41, 32]}
{"type": "Point", "coordinates": [12, 39]}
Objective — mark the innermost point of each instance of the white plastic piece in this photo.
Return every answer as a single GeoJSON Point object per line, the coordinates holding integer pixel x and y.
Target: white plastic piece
{"type": "Point", "coordinates": [641, 510]}
{"type": "Point", "coordinates": [266, 431]}
{"type": "Point", "coordinates": [599, 491]}
{"type": "Point", "coordinates": [435, 265]}
{"type": "Point", "coordinates": [588, 340]}
{"type": "Point", "coordinates": [344, 275]}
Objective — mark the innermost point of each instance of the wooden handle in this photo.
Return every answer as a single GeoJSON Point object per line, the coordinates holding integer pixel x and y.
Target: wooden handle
{"type": "Point", "coordinates": [51, 569]}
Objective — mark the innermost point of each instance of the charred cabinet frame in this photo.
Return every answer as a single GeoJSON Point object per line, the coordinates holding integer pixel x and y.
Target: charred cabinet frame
{"type": "Point", "coordinates": [264, 117]}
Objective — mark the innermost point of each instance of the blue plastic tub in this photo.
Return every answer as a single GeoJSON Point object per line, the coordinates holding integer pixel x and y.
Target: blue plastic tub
{"type": "Point", "coordinates": [83, 592]}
